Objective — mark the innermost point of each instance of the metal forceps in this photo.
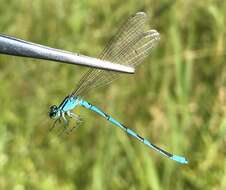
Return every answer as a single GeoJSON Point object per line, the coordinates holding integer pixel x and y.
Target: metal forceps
{"type": "Point", "coordinates": [17, 47]}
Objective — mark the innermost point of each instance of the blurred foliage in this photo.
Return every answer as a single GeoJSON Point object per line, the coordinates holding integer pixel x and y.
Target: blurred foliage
{"type": "Point", "coordinates": [178, 98]}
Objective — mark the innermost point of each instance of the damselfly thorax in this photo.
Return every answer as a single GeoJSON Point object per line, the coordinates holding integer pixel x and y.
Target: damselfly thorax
{"type": "Point", "coordinates": [64, 109]}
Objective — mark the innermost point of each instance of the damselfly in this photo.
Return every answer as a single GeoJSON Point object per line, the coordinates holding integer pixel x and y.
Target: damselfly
{"type": "Point", "coordinates": [131, 45]}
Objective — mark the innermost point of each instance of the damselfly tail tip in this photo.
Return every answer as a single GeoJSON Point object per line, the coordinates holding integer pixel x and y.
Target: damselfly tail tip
{"type": "Point", "coordinates": [179, 159]}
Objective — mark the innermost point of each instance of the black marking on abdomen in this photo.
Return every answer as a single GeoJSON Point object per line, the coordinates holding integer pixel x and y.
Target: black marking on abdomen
{"type": "Point", "coordinates": [138, 136]}
{"type": "Point", "coordinates": [166, 153]}
{"type": "Point", "coordinates": [106, 115]}
{"type": "Point", "coordinates": [124, 126]}
{"type": "Point", "coordinates": [141, 138]}
{"type": "Point", "coordinates": [90, 105]}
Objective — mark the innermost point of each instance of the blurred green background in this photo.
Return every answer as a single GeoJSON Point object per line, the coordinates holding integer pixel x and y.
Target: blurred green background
{"type": "Point", "coordinates": [177, 98]}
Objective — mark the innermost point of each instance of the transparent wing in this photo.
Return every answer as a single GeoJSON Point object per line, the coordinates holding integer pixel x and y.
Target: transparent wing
{"type": "Point", "coordinates": [130, 46]}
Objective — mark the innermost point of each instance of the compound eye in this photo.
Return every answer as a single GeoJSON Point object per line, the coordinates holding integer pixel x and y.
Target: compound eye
{"type": "Point", "coordinates": [53, 107]}
{"type": "Point", "coordinates": [53, 111]}
{"type": "Point", "coordinates": [52, 114]}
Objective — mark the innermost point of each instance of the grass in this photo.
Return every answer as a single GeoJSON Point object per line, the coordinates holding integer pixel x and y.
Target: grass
{"type": "Point", "coordinates": [178, 98]}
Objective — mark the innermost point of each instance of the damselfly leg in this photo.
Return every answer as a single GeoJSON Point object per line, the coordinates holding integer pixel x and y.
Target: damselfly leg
{"type": "Point", "coordinates": [77, 118]}
{"type": "Point", "coordinates": [53, 125]}
{"type": "Point", "coordinates": [64, 118]}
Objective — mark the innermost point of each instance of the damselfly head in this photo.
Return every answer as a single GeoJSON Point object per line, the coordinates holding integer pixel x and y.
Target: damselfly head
{"type": "Point", "coordinates": [54, 112]}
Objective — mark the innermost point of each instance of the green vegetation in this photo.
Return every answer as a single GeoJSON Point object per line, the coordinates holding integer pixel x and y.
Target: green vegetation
{"type": "Point", "coordinates": [177, 100]}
